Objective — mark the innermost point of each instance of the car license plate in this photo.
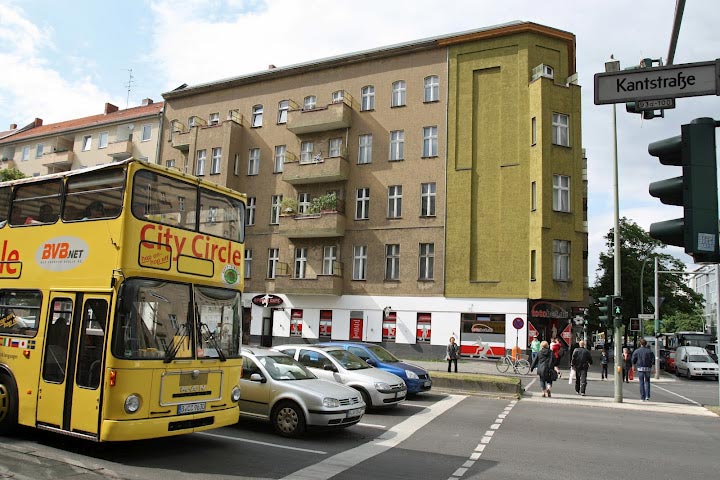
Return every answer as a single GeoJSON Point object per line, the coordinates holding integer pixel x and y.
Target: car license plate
{"type": "Point", "coordinates": [191, 408]}
{"type": "Point", "coordinates": [355, 412]}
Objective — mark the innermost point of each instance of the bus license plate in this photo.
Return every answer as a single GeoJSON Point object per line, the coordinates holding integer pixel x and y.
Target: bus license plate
{"type": "Point", "coordinates": [191, 408]}
{"type": "Point", "coordinates": [355, 412]}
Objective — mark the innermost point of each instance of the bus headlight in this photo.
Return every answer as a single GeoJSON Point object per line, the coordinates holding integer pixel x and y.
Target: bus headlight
{"type": "Point", "coordinates": [132, 403]}
{"type": "Point", "coordinates": [235, 395]}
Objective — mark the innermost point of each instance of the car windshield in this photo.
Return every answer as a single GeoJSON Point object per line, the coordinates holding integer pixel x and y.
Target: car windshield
{"type": "Point", "coordinates": [282, 367]}
{"type": "Point", "coordinates": [383, 354]}
{"type": "Point", "coordinates": [348, 360]}
{"type": "Point", "coordinates": [699, 358]}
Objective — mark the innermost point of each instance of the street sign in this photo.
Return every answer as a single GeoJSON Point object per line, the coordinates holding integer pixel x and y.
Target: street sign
{"type": "Point", "coordinates": [646, 316]}
{"type": "Point", "coordinates": [566, 334]}
{"type": "Point", "coordinates": [659, 83]}
{"type": "Point", "coordinates": [634, 325]}
{"type": "Point", "coordinates": [518, 323]}
{"type": "Point", "coordinates": [663, 103]}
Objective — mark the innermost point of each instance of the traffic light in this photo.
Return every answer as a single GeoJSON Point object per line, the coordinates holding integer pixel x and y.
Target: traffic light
{"type": "Point", "coordinates": [605, 305]}
{"type": "Point", "coordinates": [617, 310]}
{"type": "Point", "coordinates": [695, 190]}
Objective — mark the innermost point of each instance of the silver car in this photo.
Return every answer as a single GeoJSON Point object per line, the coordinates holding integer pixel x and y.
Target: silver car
{"type": "Point", "coordinates": [377, 387]}
{"type": "Point", "coordinates": [276, 388]}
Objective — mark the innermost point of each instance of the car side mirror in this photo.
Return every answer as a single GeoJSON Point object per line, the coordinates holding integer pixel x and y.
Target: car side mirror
{"type": "Point", "coordinates": [330, 368]}
{"type": "Point", "coordinates": [256, 377]}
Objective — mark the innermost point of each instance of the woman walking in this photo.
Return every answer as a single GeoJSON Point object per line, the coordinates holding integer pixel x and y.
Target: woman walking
{"type": "Point", "coordinates": [545, 363]}
{"type": "Point", "coordinates": [453, 349]}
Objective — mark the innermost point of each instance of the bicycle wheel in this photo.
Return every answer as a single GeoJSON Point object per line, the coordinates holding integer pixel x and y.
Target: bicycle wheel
{"type": "Point", "coordinates": [502, 365]}
{"type": "Point", "coordinates": [522, 366]}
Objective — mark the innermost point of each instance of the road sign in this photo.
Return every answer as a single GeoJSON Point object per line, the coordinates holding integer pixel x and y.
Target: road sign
{"type": "Point", "coordinates": [646, 316]}
{"type": "Point", "coordinates": [634, 325]}
{"type": "Point", "coordinates": [566, 334]}
{"type": "Point", "coordinates": [674, 81]}
{"type": "Point", "coordinates": [518, 323]}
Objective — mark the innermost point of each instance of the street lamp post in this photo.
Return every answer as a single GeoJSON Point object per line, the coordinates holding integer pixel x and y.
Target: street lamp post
{"type": "Point", "coordinates": [614, 66]}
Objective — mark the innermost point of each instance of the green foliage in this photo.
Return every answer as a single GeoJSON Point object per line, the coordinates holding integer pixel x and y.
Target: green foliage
{"type": "Point", "coordinates": [324, 203]}
{"type": "Point", "coordinates": [683, 322]}
{"type": "Point", "coordinates": [288, 206]}
{"type": "Point", "coordinates": [10, 174]}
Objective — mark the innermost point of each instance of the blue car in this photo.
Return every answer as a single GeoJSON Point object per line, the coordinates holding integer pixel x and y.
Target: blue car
{"type": "Point", "coordinates": [416, 378]}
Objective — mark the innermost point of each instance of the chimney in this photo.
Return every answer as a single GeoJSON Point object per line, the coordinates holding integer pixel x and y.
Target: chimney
{"type": "Point", "coordinates": [271, 66]}
{"type": "Point", "coordinates": [147, 101]}
{"type": "Point", "coordinates": [13, 126]}
{"type": "Point", "coordinates": [110, 108]}
{"type": "Point", "coordinates": [38, 122]}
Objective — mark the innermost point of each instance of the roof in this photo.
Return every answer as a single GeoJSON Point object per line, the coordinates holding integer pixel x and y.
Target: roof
{"type": "Point", "coordinates": [509, 28]}
{"type": "Point", "coordinates": [84, 123]}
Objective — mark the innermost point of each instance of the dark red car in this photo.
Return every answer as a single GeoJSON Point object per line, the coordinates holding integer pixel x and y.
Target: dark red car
{"type": "Point", "coordinates": [670, 361]}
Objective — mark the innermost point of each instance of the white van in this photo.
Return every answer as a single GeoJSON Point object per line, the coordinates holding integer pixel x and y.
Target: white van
{"type": "Point", "coordinates": [694, 362]}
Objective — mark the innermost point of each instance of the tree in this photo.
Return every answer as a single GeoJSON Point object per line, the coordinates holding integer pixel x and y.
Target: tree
{"type": "Point", "coordinates": [636, 248]}
{"type": "Point", "coordinates": [10, 174]}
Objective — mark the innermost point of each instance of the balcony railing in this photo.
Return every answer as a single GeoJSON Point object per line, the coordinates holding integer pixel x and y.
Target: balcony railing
{"type": "Point", "coordinates": [319, 170]}
{"type": "Point", "coordinates": [120, 150]}
{"type": "Point", "coordinates": [330, 117]}
{"type": "Point", "coordinates": [286, 282]}
{"type": "Point", "coordinates": [316, 225]}
{"type": "Point", "coordinates": [59, 160]}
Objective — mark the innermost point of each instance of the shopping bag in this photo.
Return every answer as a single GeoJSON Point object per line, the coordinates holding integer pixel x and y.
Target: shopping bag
{"type": "Point", "coordinates": [571, 377]}
{"type": "Point", "coordinates": [630, 374]}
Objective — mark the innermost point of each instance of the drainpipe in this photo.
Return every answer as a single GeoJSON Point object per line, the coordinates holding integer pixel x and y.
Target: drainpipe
{"type": "Point", "coordinates": [161, 117]}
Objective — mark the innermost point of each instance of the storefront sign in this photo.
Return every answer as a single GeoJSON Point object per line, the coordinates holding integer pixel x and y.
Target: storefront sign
{"type": "Point", "coordinates": [356, 328]}
{"type": "Point", "coordinates": [267, 300]}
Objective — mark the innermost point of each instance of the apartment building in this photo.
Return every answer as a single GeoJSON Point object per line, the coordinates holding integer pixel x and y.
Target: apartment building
{"type": "Point", "coordinates": [113, 135]}
{"type": "Point", "coordinates": [403, 194]}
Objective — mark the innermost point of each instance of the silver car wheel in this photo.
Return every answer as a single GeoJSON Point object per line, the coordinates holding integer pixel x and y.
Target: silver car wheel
{"type": "Point", "coordinates": [288, 419]}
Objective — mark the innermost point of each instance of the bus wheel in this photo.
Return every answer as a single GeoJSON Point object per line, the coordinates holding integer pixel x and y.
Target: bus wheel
{"type": "Point", "coordinates": [8, 405]}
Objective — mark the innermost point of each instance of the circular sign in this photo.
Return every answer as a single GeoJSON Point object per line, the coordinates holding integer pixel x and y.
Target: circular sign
{"type": "Point", "coordinates": [267, 300]}
{"type": "Point", "coordinates": [518, 323]}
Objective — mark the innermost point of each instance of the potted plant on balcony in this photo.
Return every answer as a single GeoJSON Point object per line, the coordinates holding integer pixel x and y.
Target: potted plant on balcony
{"type": "Point", "coordinates": [288, 206]}
{"type": "Point", "coordinates": [325, 203]}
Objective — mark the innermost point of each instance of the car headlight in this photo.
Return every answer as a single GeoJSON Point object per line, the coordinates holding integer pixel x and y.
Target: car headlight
{"type": "Point", "coordinates": [382, 386]}
{"type": "Point", "coordinates": [412, 375]}
{"type": "Point", "coordinates": [132, 403]}
{"type": "Point", "coordinates": [331, 402]}
{"type": "Point", "coordinates": [235, 395]}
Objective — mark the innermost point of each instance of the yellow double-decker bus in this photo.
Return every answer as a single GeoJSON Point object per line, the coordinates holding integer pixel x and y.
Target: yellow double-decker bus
{"type": "Point", "coordinates": [120, 302]}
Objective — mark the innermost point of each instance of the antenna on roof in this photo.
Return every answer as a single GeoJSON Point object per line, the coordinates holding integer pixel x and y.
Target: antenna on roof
{"type": "Point", "coordinates": [128, 85]}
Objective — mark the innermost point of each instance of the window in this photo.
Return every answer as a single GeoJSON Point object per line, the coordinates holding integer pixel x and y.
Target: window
{"type": "Point", "coordinates": [398, 94]}
{"type": "Point", "coordinates": [303, 203]}
{"type": "Point", "coordinates": [200, 164]}
{"type": "Point", "coordinates": [87, 143]}
{"type": "Point", "coordinates": [146, 133]}
{"type": "Point", "coordinates": [561, 193]}
{"type": "Point", "coordinates": [25, 154]}
{"type": "Point", "coordinates": [251, 210]}
{"type": "Point", "coordinates": [283, 107]}
{"type": "Point", "coordinates": [257, 114]}
{"type": "Point", "coordinates": [430, 142]}
{"type": "Point", "coordinates": [170, 163]}
{"type": "Point", "coordinates": [395, 201]}
{"type": "Point", "coordinates": [273, 259]}
{"type": "Point", "coordinates": [427, 261]}
{"type": "Point", "coordinates": [325, 323]}
{"type": "Point", "coordinates": [102, 142]}
{"type": "Point", "coordinates": [211, 214]}
{"type": "Point", "coordinates": [533, 260]}
{"type": "Point", "coordinates": [335, 147]}
{"type": "Point", "coordinates": [275, 209]}
{"type": "Point", "coordinates": [389, 326]}
{"type": "Point", "coordinates": [254, 161]}
{"type": "Point", "coordinates": [367, 98]}
{"type": "Point", "coordinates": [329, 259]}
{"type": "Point", "coordinates": [427, 199]}
{"type": "Point", "coordinates": [306, 152]}
{"type": "Point", "coordinates": [296, 321]}
{"type": "Point", "coordinates": [338, 96]}
{"type": "Point", "coordinates": [216, 160]}
{"type": "Point", "coordinates": [214, 118]}
{"type": "Point", "coordinates": [561, 260]}
{"type": "Point", "coordinates": [533, 131]}
{"type": "Point", "coordinates": [533, 196]}
{"type": "Point", "coordinates": [432, 89]}
{"type": "Point", "coordinates": [397, 145]}
{"type": "Point", "coordinates": [365, 149]}
{"type": "Point", "coordinates": [561, 129]}
{"type": "Point", "coordinates": [191, 121]}
{"type": "Point", "coordinates": [362, 204]}
{"type": "Point", "coordinates": [236, 165]}
{"type": "Point", "coordinates": [359, 262]}
{"type": "Point", "coordinates": [300, 262]}
{"type": "Point", "coordinates": [392, 262]}
{"type": "Point", "coordinates": [280, 151]}
{"type": "Point", "coordinates": [23, 306]}
{"type": "Point", "coordinates": [424, 321]}
{"type": "Point", "coordinates": [309, 102]}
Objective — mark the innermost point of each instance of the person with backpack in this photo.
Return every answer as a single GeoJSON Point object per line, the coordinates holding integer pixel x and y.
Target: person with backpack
{"type": "Point", "coordinates": [544, 362]}
{"type": "Point", "coordinates": [581, 361]}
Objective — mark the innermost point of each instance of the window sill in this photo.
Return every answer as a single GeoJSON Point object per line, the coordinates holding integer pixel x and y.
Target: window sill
{"type": "Point", "coordinates": [431, 101]}
{"type": "Point", "coordinates": [368, 110]}
{"type": "Point", "coordinates": [398, 106]}
{"type": "Point", "coordinates": [428, 216]}
{"type": "Point", "coordinates": [561, 211]}
{"type": "Point", "coordinates": [426, 280]}
{"type": "Point", "coordinates": [559, 145]}
{"type": "Point", "coordinates": [395, 159]}
{"type": "Point", "coordinates": [429, 156]}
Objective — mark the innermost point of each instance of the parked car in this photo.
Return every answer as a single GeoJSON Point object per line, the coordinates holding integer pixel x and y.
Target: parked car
{"type": "Point", "coordinates": [276, 388]}
{"type": "Point", "coordinates": [670, 361]}
{"type": "Point", "coordinates": [377, 387]}
{"type": "Point", "coordinates": [663, 355]}
{"type": "Point", "coordinates": [694, 362]}
{"type": "Point", "coordinates": [416, 378]}
{"type": "Point", "coordinates": [712, 349]}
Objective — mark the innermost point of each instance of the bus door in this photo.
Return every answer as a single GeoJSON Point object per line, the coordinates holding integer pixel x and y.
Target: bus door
{"type": "Point", "coordinates": [71, 377]}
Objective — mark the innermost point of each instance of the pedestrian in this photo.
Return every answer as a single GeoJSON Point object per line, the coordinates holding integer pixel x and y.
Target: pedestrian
{"type": "Point", "coordinates": [581, 361]}
{"type": "Point", "coordinates": [626, 364]}
{"type": "Point", "coordinates": [556, 350]}
{"type": "Point", "coordinates": [534, 348]}
{"type": "Point", "coordinates": [545, 361]}
{"type": "Point", "coordinates": [604, 364]}
{"type": "Point", "coordinates": [643, 360]}
{"type": "Point", "coordinates": [453, 349]}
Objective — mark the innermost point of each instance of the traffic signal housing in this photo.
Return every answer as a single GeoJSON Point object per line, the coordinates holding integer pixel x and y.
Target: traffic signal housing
{"type": "Point", "coordinates": [696, 190]}
{"type": "Point", "coordinates": [605, 306]}
{"type": "Point", "coordinates": [617, 310]}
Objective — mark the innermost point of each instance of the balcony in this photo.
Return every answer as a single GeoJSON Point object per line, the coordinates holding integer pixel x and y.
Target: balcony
{"type": "Point", "coordinates": [319, 285]}
{"type": "Point", "coordinates": [322, 170]}
{"type": "Point", "coordinates": [59, 160]}
{"type": "Point", "coordinates": [181, 140]}
{"type": "Point", "coordinates": [316, 225]}
{"type": "Point", "coordinates": [120, 150]}
{"type": "Point", "coordinates": [331, 117]}
{"type": "Point", "coordinates": [6, 162]}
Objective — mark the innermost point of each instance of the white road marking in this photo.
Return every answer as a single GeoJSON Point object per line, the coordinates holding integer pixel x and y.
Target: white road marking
{"type": "Point", "coordinates": [276, 445]}
{"type": "Point", "coordinates": [337, 464]}
{"type": "Point", "coordinates": [677, 394]}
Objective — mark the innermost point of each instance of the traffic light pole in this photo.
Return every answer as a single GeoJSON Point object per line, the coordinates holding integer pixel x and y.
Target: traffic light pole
{"type": "Point", "coordinates": [617, 335]}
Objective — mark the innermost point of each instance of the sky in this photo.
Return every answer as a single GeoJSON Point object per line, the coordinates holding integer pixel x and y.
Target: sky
{"type": "Point", "coordinates": [61, 60]}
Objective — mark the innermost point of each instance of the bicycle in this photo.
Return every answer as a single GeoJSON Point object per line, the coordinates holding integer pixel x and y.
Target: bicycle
{"type": "Point", "coordinates": [519, 365]}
